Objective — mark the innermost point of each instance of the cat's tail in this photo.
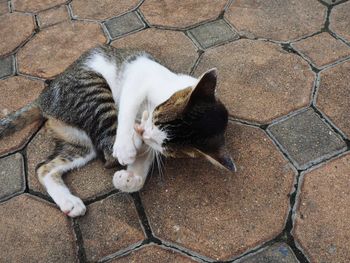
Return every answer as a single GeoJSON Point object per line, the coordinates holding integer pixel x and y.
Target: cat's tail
{"type": "Point", "coordinates": [17, 120]}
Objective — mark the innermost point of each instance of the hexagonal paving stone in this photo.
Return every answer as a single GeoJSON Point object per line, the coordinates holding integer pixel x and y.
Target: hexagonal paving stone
{"type": "Point", "coordinates": [323, 217]}
{"type": "Point", "coordinates": [21, 24]}
{"type": "Point", "coordinates": [155, 254]}
{"type": "Point", "coordinates": [306, 139]}
{"type": "Point", "coordinates": [279, 20]}
{"type": "Point", "coordinates": [213, 33]}
{"type": "Point", "coordinates": [35, 5]}
{"type": "Point", "coordinates": [221, 215]}
{"type": "Point", "coordinates": [278, 253]}
{"type": "Point", "coordinates": [6, 66]}
{"type": "Point", "coordinates": [181, 14]}
{"type": "Point", "coordinates": [333, 96]}
{"type": "Point", "coordinates": [32, 230]}
{"type": "Point", "coordinates": [125, 24]}
{"type": "Point", "coordinates": [340, 20]}
{"type": "Point", "coordinates": [11, 175]}
{"type": "Point", "coordinates": [109, 226]}
{"type": "Point", "coordinates": [164, 46]}
{"type": "Point", "coordinates": [258, 81]}
{"type": "Point", "coordinates": [53, 16]}
{"type": "Point", "coordinates": [60, 45]}
{"type": "Point", "coordinates": [323, 49]}
{"type": "Point", "coordinates": [103, 9]}
{"type": "Point", "coordinates": [17, 92]}
{"type": "Point", "coordinates": [87, 182]}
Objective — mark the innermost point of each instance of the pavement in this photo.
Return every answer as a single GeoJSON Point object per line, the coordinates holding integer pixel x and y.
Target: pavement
{"type": "Point", "coordinates": [283, 75]}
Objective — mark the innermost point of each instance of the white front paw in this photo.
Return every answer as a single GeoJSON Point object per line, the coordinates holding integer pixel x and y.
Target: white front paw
{"type": "Point", "coordinates": [125, 152]}
{"type": "Point", "coordinates": [71, 205]}
{"type": "Point", "coordinates": [127, 181]}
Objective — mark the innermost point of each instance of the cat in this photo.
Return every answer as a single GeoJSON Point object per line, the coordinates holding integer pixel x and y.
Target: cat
{"type": "Point", "coordinates": [123, 105]}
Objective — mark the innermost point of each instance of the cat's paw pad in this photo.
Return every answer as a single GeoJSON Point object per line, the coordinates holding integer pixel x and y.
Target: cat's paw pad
{"type": "Point", "coordinates": [125, 152]}
{"type": "Point", "coordinates": [127, 181]}
{"type": "Point", "coordinates": [72, 206]}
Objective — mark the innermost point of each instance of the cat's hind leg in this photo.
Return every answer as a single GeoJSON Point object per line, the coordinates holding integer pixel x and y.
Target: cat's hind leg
{"type": "Point", "coordinates": [65, 158]}
{"type": "Point", "coordinates": [73, 149]}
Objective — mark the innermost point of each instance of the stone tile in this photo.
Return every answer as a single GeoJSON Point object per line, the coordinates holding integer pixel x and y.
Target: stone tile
{"type": "Point", "coordinates": [259, 81]}
{"type": "Point", "coordinates": [35, 5]}
{"type": "Point", "coordinates": [4, 8]}
{"type": "Point", "coordinates": [340, 20]}
{"type": "Point", "coordinates": [124, 24]}
{"type": "Point", "coordinates": [21, 24]}
{"type": "Point", "coordinates": [278, 20]}
{"type": "Point", "coordinates": [212, 34]}
{"type": "Point", "coordinates": [60, 45]}
{"type": "Point", "coordinates": [33, 230]}
{"type": "Point", "coordinates": [17, 92]}
{"type": "Point", "coordinates": [278, 253]}
{"type": "Point", "coordinates": [6, 66]}
{"type": "Point", "coordinates": [155, 254]}
{"type": "Point", "coordinates": [164, 45]}
{"type": "Point", "coordinates": [306, 139]}
{"type": "Point", "coordinates": [11, 175]}
{"type": "Point", "coordinates": [181, 14]}
{"type": "Point", "coordinates": [53, 16]}
{"type": "Point", "coordinates": [109, 226]}
{"type": "Point", "coordinates": [333, 96]}
{"type": "Point", "coordinates": [86, 182]}
{"type": "Point", "coordinates": [322, 217]}
{"type": "Point", "coordinates": [217, 214]}
{"type": "Point", "coordinates": [323, 49]}
{"type": "Point", "coordinates": [105, 9]}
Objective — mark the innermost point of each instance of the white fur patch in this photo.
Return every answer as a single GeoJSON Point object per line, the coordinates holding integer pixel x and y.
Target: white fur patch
{"type": "Point", "coordinates": [108, 69]}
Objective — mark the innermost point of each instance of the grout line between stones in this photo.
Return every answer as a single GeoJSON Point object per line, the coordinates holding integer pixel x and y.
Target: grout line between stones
{"type": "Point", "coordinates": [9, 6]}
{"type": "Point", "coordinates": [195, 65]}
{"type": "Point", "coordinates": [142, 17]}
{"type": "Point", "coordinates": [315, 89]}
{"type": "Point", "coordinates": [25, 169]}
{"type": "Point", "coordinates": [228, 5]}
{"type": "Point", "coordinates": [142, 215]}
{"type": "Point", "coordinates": [335, 35]}
{"type": "Point", "coordinates": [293, 201]}
{"type": "Point", "coordinates": [123, 252]}
{"type": "Point", "coordinates": [100, 197]}
{"type": "Point", "coordinates": [329, 122]}
{"type": "Point", "coordinates": [70, 12]}
{"type": "Point", "coordinates": [186, 252]}
{"type": "Point", "coordinates": [247, 123]}
{"type": "Point", "coordinates": [255, 250]}
{"type": "Point", "coordinates": [79, 241]}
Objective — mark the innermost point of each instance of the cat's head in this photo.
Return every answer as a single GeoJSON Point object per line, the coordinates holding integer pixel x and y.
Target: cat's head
{"type": "Point", "coordinates": [192, 122]}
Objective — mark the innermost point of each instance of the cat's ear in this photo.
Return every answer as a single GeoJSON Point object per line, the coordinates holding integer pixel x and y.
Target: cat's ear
{"type": "Point", "coordinates": [206, 85]}
{"type": "Point", "coordinates": [221, 159]}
